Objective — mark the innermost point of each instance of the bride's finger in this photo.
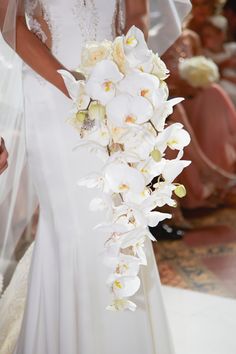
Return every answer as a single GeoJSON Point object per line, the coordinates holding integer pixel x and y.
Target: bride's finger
{"type": "Point", "coordinates": [3, 157]}
{"type": "Point", "coordinates": [3, 167]}
{"type": "Point", "coordinates": [2, 146]}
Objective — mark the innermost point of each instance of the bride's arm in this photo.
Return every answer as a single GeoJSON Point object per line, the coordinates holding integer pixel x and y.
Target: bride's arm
{"type": "Point", "coordinates": [37, 55]}
{"type": "Point", "coordinates": [137, 13]}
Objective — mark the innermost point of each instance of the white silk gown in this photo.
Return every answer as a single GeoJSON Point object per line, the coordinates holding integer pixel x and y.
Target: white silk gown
{"type": "Point", "coordinates": [67, 295]}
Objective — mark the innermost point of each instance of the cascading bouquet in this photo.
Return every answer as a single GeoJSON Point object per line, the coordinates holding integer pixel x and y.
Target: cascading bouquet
{"type": "Point", "coordinates": [120, 112]}
{"type": "Point", "coordinates": [199, 71]}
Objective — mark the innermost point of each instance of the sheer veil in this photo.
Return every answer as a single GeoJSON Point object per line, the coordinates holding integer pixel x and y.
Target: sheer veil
{"type": "Point", "coordinates": [17, 198]}
{"type": "Point", "coordinates": [167, 23]}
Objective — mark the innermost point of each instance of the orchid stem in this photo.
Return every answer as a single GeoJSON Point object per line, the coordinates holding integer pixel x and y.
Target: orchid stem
{"type": "Point", "coordinates": [153, 126]}
{"type": "Point", "coordinates": [108, 150]}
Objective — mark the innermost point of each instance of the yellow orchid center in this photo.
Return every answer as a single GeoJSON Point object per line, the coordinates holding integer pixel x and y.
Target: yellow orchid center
{"type": "Point", "coordinates": [132, 41]}
{"type": "Point", "coordinates": [80, 117]}
{"type": "Point", "coordinates": [130, 119]}
{"type": "Point", "coordinates": [117, 284]}
{"type": "Point", "coordinates": [144, 92]}
{"type": "Point", "coordinates": [123, 187]}
{"type": "Point", "coordinates": [108, 86]}
{"type": "Point", "coordinates": [122, 268]}
{"type": "Point", "coordinates": [172, 142]}
{"type": "Point", "coordinates": [143, 193]}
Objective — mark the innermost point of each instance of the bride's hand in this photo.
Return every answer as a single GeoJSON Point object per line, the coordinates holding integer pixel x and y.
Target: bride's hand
{"type": "Point", "coordinates": [77, 75]}
{"type": "Point", "coordinates": [3, 157]}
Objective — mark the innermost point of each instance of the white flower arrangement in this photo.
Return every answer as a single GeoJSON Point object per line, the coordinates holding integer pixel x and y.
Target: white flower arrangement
{"type": "Point", "coordinates": [120, 112]}
{"type": "Point", "coordinates": [199, 71]}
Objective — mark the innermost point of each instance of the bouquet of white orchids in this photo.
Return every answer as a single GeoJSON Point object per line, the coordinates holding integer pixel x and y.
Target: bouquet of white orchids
{"type": "Point", "coordinates": [120, 111]}
{"type": "Point", "coordinates": [199, 71]}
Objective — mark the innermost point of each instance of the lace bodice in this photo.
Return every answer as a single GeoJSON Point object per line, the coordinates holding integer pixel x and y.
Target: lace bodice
{"type": "Point", "coordinates": [72, 23]}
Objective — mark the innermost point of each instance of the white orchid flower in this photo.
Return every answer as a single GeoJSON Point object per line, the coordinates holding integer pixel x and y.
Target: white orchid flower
{"type": "Point", "coordinates": [122, 178]}
{"type": "Point", "coordinates": [123, 286]}
{"type": "Point", "coordinates": [76, 90]}
{"type": "Point", "coordinates": [165, 90]}
{"type": "Point", "coordinates": [135, 47]}
{"type": "Point", "coordinates": [119, 56]}
{"type": "Point", "coordinates": [140, 215]}
{"type": "Point", "coordinates": [174, 136]}
{"type": "Point", "coordinates": [116, 132]}
{"type": "Point", "coordinates": [78, 119]}
{"type": "Point", "coordinates": [144, 214]}
{"type": "Point", "coordinates": [94, 180]}
{"type": "Point", "coordinates": [102, 204]}
{"type": "Point", "coordinates": [163, 194]}
{"type": "Point", "coordinates": [102, 82]}
{"type": "Point", "coordinates": [128, 157]}
{"type": "Point", "coordinates": [141, 84]}
{"type": "Point", "coordinates": [159, 68]}
{"type": "Point", "coordinates": [113, 243]}
{"type": "Point", "coordinates": [139, 142]}
{"type": "Point", "coordinates": [135, 239]}
{"type": "Point", "coordinates": [94, 52]}
{"type": "Point", "coordinates": [131, 52]}
{"type": "Point", "coordinates": [97, 204]}
{"type": "Point", "coordinates": [137, 198]}
{"type": "Point", "coordinates": [163, 111]}
{"type": "Point", "coordinates": [124, 215]}
{"type": "Point", "coordinates": [174, 167]}
{"type": "Point", "coordinates": [100, 135]}
{"type": "Point", "coordinates": [95, 148]}
{"type": "Point", "coordinates": [124, 110]}
{"type": "Point", "coordinates": [121, 305]}
{"type": "Point", "coordinates": [147, 65]}
{"type": "Point", "coordinates": [155, 217]}
{"type": "Point", "coordinates": [96, 111]}
{"type": "Point", "coordinates": [124, 265]}
{"type": "Point", "coordinates": [150, 168]}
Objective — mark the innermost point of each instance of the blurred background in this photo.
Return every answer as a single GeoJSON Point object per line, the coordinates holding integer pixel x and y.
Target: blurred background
{"type": "Point", "coordinates": [198, 250]}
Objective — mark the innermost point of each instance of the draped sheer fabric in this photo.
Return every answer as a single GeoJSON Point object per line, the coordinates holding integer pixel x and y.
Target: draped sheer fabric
{"type": "Point", "coordinates": [9, 11]}
{"type": "Point", "coordinates": [17, 199]}
{"type": "Point", "coordinates": [169, 16]}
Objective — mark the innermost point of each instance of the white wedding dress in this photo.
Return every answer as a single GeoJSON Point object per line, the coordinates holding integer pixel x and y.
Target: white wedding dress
{"type": "Point", "coordinates": [67, 295]}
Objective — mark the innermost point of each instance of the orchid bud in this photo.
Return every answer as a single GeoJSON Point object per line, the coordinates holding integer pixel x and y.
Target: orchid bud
{"type": "Point", "coordinates": [96, 111]}
{"type": "Point", "coordinates": [180, 191]}
{"type": "Point", "coordinates": [156, 155]}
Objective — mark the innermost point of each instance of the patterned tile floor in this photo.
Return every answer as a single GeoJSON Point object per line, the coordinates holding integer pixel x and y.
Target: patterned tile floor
{"type": "Point", "coordinates": [205, 260]}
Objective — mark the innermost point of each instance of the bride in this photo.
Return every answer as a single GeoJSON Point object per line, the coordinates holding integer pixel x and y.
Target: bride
{"type": "Point", "coordinates": [64, 311]}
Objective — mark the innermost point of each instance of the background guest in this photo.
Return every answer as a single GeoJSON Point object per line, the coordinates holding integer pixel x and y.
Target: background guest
{"type": "Point", "coordinates": [201, 11]}
{"type": "Point", "coordinates": [209, 113]}
{"type": "Point", "coordinates": [213, 35]}
{"type": "Point", "coordinates": [229, 12]}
